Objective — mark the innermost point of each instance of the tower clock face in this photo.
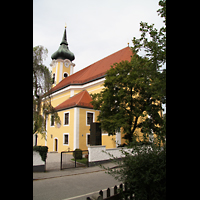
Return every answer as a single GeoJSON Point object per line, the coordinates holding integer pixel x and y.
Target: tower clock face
{"type": "Point", "coordinates": [66, 63]}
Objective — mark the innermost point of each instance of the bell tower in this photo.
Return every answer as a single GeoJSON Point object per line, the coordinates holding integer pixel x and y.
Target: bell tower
{"type": "Point", "coordinates": [61, 64]}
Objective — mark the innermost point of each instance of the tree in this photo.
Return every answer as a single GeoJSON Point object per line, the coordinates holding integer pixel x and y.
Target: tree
{"type": "Point", "coordinates": [129, 95]}
{"type": "Point", "coordinates": [155, 47]}
{"type": "Point", "coordinates": [144, 169]}
{"type": "Point", "coordinates": [42, 83]}
{"type": "Point", "coordinates": [134, 91]}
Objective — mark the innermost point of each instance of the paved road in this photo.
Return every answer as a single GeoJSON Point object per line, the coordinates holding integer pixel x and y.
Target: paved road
{"type": "Point", "coordinates": [75, 186]}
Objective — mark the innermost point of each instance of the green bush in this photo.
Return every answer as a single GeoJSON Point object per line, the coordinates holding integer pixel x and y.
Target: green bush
{"type": "Point", "coordinates": [78, 154]}
{"type": "Point", "coordinates": [42, 151]}
{"type": "Point", "coordinates": [144, 173]}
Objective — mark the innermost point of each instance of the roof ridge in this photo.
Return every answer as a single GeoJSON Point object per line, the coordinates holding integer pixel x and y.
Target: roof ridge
{"type": "Point", "coordinates": [81, 101]}
{"type": "Point", "coordinates": [81, 96]}
{"type": "Point", "coordinates": [70, 98]}
{"type": "Point", "coordinates": [94, 70]}
{"type": "Point", "coordinates": [106, 57]}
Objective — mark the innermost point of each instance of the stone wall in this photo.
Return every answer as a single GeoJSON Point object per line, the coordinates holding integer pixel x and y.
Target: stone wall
{"type": "Point", "coordinates": [38, 163]}
{"type": "Point", "coordinates": [99, 154]}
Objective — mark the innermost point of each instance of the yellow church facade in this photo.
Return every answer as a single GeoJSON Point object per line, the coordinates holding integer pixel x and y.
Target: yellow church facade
{"type": "Point", "coordinates": [70, 96]}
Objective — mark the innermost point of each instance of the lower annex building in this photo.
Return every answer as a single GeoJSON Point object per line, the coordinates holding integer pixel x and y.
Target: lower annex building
{"type": "Point", "coordinates": [70, 96]}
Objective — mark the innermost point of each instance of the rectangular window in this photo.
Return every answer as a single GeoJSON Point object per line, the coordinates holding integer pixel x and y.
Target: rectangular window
{"type": "Point", "coordinates": [52, 120]}
{"type": "Point", "coordinates": [89, 118]}
{"type": "Point", "coordinates": [88, 139]}
{"type": "Point", "coordinates": [66, 119]}
{"type": "Point", "coordinates": [66, 139]}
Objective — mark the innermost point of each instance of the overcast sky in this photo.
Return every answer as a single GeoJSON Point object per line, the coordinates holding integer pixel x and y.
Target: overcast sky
{"type": "Point", "coordinates": [95, 28]}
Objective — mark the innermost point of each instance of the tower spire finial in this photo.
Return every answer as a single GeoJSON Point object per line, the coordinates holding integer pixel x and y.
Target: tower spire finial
{"type": "Point", "coordinates": [64, 39]}
{"type": "Point", "coordinates": [65, 25]}
{"type": "Point", "coordinates": [63, 52]}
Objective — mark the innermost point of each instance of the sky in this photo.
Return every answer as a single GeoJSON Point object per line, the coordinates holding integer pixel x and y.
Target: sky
{"type": "Point", "coordinates": [95, 28]}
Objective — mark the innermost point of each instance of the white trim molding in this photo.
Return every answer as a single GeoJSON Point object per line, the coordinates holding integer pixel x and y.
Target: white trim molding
{"type": "Point", "coordinates": [71, 93]}
{"type": "Point", "coordinates": [79, 87]}
{"type": "Point", "coordinates": [61, 71]}
{"type": "Point", "coordinates": [71, 69]}
{"type": "Point", "coordinates": [46, 130]}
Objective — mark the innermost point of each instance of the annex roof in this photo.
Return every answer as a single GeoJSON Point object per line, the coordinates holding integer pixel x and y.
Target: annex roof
{"type": "Point", "coordinates": [82, 99]}
{"type": "Point", "coordinates": [94, 71]}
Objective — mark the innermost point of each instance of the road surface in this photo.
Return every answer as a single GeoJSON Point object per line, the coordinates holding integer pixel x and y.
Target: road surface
{"type": "Point", "coordinates": [76, 187]}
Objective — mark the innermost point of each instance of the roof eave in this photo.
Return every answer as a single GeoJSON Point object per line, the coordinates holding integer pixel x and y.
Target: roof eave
{"type": "Point", "coordinates": [78, 84]}
{"type": "Point", "coordinates": [58, 110]}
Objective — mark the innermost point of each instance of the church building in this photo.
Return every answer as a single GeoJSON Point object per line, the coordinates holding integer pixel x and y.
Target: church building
{"type": "Point", "coordinates": [70, 96]}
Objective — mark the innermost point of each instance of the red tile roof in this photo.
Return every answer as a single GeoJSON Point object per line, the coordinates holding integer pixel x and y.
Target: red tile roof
{"type": "Point", "coordinates": [96, 70]}
{"type": "Point", "coordinates": [82, 99]}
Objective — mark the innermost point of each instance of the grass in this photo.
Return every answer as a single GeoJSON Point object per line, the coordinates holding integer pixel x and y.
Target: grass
{"type": "Point", "coordinates": [83, 160]}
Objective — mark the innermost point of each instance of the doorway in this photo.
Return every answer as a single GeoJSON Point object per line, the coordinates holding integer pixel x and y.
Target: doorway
{"type": "Point", "coordinates": [55, 144]}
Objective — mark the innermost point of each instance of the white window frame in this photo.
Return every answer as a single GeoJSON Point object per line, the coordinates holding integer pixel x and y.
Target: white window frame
{"type": "Point", "coordinates": [93, 117]}
{"type": "Point", "coordinates": [64, 119]}
{"type": "Point", "coordinates": [66, 73]}
{"type": "Point", "coordinates": [64, 139]}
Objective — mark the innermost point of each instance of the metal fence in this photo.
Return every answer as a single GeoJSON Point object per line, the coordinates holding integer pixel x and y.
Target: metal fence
{"type": "Point", "coordinates": [66, 162]}
{"type": "Point", "coordinates": [121, 193]}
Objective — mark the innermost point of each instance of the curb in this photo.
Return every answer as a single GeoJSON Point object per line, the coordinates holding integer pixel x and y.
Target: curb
{"type": "Point", "coordinates": [66, 175]}
{"type": "Point", "coordinates": [37, 179]}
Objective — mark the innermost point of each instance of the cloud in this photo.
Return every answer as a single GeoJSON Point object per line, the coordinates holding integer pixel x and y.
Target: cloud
{"type": "Point", "coordinates": [95, 29]}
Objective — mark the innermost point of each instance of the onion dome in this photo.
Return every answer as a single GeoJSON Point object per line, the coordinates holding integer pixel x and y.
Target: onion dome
{"type": "Point", "coordinates": [63, 51]}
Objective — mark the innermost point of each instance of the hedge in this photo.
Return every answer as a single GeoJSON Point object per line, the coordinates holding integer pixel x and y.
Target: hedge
{"type": "Point", "coordinates": [42, 150]}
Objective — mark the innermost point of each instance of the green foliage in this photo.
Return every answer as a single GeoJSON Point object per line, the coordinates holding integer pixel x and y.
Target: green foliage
{"type": "Point", "coordinates": [132, 90]}
{"type": "Point", "coordinates": [137, 89]}
{"type": "Point", "coordinates": [144, 171]}
{"type": "Point", "coordinates": [83, 160]}
{"type": "Point", "coordinates": [78, 154]}
{"type": "Point", "coordinates": [42, 150]}
{"type": "Point", "coordinates": [144, 168]}
{"type": "Point", "coordinates": [42, 83]}
{"type": "Point", "coordinates": [153, 41]}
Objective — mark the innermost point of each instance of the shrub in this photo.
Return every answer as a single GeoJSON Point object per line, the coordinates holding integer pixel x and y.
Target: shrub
{"type": "Point", "coordinates": [42, 151]}
{"type": "Point", "coordinates": [78, 154]}
{"type": "Point", "coordinates": [144, 173]}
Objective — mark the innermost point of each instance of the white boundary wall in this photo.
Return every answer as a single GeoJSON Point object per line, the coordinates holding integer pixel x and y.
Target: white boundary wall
{"type": "Point", "coordinates": [97, 153]}
{"type": "Point", "coordinates": [37, 160]}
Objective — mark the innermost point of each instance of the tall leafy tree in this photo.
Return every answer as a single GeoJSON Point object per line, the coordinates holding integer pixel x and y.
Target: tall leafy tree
{"type": "Point", "coordinates": [42, 83]}
{"type": "Point", "coordinates": [145, 172]}
{"type": "Point", "coordinates": [134, 91]}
